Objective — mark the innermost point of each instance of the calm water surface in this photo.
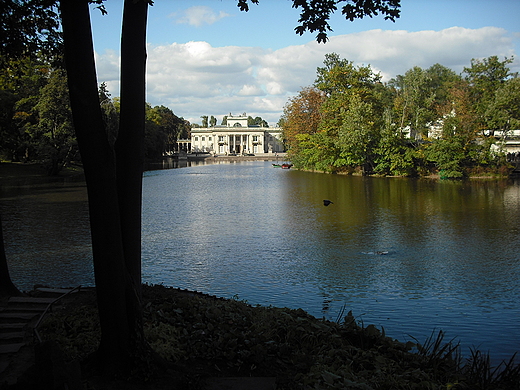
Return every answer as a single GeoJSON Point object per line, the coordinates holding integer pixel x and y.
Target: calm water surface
{"type": "Point", "coordinates": [262, 234]}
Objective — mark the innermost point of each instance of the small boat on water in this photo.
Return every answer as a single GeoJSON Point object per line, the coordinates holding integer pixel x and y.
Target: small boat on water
{"type": "Point", "coordinates": [277, 165]}
{"type": "Point", "coordinates": [286, 166]}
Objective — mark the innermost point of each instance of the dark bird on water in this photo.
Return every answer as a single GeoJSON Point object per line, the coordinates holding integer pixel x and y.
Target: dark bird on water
{"type": "Point", "coordinates": [326, 202]}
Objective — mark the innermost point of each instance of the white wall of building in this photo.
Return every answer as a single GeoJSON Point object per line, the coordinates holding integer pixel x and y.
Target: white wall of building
{"type": "Point", "coordinates": [236, 137]}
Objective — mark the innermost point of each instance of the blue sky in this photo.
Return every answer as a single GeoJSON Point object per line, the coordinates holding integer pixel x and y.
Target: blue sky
{"type": "Point", "coordinates": [209, 58]}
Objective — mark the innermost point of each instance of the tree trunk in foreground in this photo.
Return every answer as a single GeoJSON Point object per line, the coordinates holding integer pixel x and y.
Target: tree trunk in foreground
{"type": "Point", "coordinates": [118, 303]}
{"type": "Point", "coordinates": [130, 140]}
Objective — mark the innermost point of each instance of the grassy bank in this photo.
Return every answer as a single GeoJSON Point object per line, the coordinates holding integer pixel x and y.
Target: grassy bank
{"type": "Point", "coordinates": [11, 172]}
{"type": "Point", "coordinates": [204, 336]}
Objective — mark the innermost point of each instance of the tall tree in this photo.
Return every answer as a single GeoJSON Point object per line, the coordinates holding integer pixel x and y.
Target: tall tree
{"type": "Point", "coordinates": [114, 188]}
{"type": "Point", "coordinates": [110, 113]}
{"type": "Point", "coordinates": [21, 82]}
{"type": "Point", "coordinates": [457, 148]}
{"type": "Point", "coordinates": [339, 75]}
{"type": "Point", "coordinates": [159, 129]}
{"type": "Point", "coordinates": [415, 101]}
{"type": "Point", "coordinates": [358, 134]}
{"type": "Point", "coordinates": [29, 28]}
{"type": "Point", "coordinates": [55, 141]}
{"type": "Point", "coordinates": [393, 155]}
{"type": "Point", "coordinates": [504, 111]}
{"type": "Point", "coordinates": [440, 79]}
{"type": "Point", "coordinates": [486, 77]}
{"type": "Point", "coordinates": [302, 115]}
{"type": "Point", "coordinates": [340, 80]}
{"type": "Point", "coordinates": [130, 141]}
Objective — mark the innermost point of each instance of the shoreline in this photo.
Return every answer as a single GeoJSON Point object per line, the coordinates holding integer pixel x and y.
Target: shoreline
{"type": "Point", "coordinates": [208, 339]}
{"type": "Point", "coordinates": [219, 157]}
{"type": "Point", "coordinates": [13, 171]}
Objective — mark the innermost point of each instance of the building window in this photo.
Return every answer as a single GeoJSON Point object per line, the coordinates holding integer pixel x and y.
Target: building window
{"type": "Point", "coordinates": [209, 138]}
{"type": "Point", "coordinates": [196, 139]}
{"type": "Point", "coordinates": [255, 138]}
{"type": "Point", "coordinates": [203, 139]}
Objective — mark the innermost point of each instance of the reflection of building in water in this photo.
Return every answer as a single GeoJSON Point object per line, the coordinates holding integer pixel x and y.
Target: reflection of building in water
{"type": "Point", "coordinates": [236, 137]}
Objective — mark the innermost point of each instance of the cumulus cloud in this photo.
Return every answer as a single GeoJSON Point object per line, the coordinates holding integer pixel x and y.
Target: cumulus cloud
{"type": "Point", "coordinates": [200, 15]}
{"type": "Point", "coordinates": [195, 79]}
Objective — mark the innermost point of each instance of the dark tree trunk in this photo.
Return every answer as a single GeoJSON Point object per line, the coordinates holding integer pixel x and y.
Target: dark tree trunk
{"type": "Point", "coordinates": [130, 141]}
{"type": "Point", "coordinates": [118, 302]}
{"type": "Point", "coordinates": [7, 288]}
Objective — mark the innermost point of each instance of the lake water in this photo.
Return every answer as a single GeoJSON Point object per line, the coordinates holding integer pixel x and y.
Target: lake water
{"type": "Point", "coordinates": [262, 234]}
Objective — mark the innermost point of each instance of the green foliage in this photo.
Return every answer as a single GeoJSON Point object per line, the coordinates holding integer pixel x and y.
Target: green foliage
{"type": "Point", "coordinates": [314, 15]}
{"type": "Point", "coordinates": [8, 132]}
{"type": "Point", "coordinates": [340, 76]}
{"type": "Point", "coordinates": [416, 101]}
{"type": "Point", "coordinates": [316, 152]}
{"type": "Point", "coordinates": [54, 134]}
{"type": "Point", "coordinates": [36, 123]}
{"type": "Point", "coordinates": [393, 154]}
{"type": "Point", "coordinates": [358, 135]}
{"type": "Point", "coordinates": [258, 121]}
{"type": "Point", "coordinates": [20, 84]}
{"type": "Point", "coordinates": [449, 156]}
{"type": "Point", "coordinates": [110, 112]}
{"type": "Point", "coordinates": [427, 121]}
{"type": "Point", "coordinates": [486, 77]}
{"type": "Point", "coordinates": [162, 129]}
{"type": "Point", "coordinates": [28, 28]}
{"type": "Point", "coordinates": [504, 111]}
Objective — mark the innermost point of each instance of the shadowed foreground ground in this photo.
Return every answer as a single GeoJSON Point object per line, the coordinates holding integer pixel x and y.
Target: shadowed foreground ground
{"type": "Point", "coordinates": [206, 337]}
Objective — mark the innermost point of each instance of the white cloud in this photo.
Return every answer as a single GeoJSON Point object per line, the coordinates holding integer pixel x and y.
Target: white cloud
{"type": "Point", "coordinates": [200, 15]}
{"type": "Point", "coordinates": [107, 66]}
{"type": "Point", "coordinates": [195, 79]}
{"type": "Point", "coordinates": [250, 90]}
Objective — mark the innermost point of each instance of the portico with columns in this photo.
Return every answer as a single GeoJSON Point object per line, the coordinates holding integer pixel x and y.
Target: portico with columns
{"type": "Point", "coordinates": [236, 137]}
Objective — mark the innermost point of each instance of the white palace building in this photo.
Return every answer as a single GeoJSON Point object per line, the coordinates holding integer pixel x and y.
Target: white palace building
{"type": "Point", "coordinates": [236, 137]}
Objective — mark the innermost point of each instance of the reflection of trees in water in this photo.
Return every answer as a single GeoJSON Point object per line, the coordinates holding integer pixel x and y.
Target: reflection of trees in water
{"type": "Point", "coordinates": [47, 236]}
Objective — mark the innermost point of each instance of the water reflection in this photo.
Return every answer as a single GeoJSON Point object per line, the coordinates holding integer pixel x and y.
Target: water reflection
{"type": "Point", "coordinates": [46, 232]}
{"type": "Point", "coordinates": [453, 259]}
{"type": "Point", "coordinates": [265, 235]}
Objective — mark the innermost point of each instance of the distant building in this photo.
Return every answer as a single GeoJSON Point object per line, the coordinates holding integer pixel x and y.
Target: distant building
{"type": "Point", "coordinates": [236, 137]}
{"type": "Point", "coordinates": [508, 141]}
